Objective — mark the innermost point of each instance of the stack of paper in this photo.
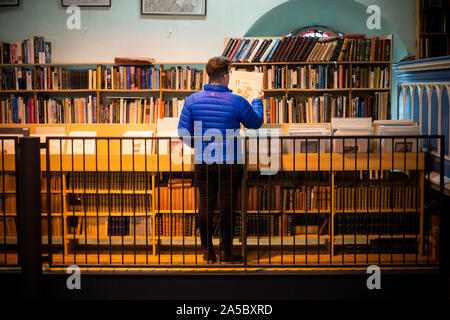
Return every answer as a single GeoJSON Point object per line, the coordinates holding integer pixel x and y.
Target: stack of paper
{"type": "Point", "coordinates": [307, 145]}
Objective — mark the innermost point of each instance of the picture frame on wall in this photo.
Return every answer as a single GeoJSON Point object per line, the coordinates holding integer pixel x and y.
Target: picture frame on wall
{"type": "Point", "coordinates": [9, 3]}
{"type": "Point", "coordinates": [86, 3]}
{"type": "Point", "coordinates": [173, 7]}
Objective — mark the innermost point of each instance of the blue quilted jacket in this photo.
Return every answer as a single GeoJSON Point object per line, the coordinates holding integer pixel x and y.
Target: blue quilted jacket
{"type": "Point", "coordinates": [209, 114]}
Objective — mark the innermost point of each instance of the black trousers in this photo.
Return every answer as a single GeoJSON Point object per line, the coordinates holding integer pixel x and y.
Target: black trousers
{"type": "Point", "coordinates": [217, 183]}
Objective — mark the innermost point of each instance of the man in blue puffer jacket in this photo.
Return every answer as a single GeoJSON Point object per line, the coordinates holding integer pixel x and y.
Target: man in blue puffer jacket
{"type": "Point", "coordinates": [212, 117]}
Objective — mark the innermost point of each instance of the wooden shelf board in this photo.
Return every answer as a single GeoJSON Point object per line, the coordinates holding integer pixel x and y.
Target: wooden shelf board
{"type": "Point", "coordinates": [16, 91]}
{"type": "Point", "coordinates": [66, 90]}
{"type": "Point", "coordinates": [318, 90]}
{"type": "Point", "coordinates": [8, 240]}
{"type": "Point", "coordinates": [186, 211]}
{"type": "Point", "coordinates": [179, 90]}
{"type": "Point", "coordinates": [69, 213]}
{"type": "Point", "coordinates": [128, 90]}
{"type": "Point", "coordinates": [362, 211]}
{"type": "Point", "coordinates": [362, 239]}
{"type": "Point", "coordinates": [178, 241]}
{"type": "Point", "coordinates": [102, 191]}
{"type": "Point", "coordinates": [370, 89]}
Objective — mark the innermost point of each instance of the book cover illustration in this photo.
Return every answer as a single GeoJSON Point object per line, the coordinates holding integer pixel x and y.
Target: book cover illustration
{"type": "Point", "coordinates": [246, 84]}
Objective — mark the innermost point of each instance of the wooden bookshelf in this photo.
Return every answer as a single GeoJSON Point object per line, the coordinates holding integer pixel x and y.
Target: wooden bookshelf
{"type": "Point", "coordinates": [110, 160]}
{"type": "Point", "coordinates": [163, 93]}
{"type": "Point", "coordinates": [432, 28]}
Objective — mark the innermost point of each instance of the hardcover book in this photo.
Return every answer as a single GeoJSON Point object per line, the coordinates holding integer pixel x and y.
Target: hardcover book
{"type": "Point", "coordinates": [246, 84]}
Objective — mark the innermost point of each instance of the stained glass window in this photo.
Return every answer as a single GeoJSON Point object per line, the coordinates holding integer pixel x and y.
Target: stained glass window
{"type": "Point", "coordinates": [316, 31]}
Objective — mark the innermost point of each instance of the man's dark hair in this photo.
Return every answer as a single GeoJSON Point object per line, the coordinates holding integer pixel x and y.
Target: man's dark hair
{"type": "Point", "coordinates": [217, 67]}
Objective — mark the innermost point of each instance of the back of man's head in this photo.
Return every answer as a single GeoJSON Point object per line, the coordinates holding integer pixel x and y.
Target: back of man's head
{"type": "Point", "coordinates": [217, 67]}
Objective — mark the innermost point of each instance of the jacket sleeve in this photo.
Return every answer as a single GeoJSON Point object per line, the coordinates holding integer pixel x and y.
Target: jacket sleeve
{"type": "Point", "coordinates": [186, 123]}
{"type": "Point", "coordinates": [251, 116]}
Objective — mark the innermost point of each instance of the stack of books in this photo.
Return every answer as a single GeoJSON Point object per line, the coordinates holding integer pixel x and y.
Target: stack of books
{"type": "Point", "coordinates": [353, 47]}
{"type": "Point", "coordinates": [29, 51]}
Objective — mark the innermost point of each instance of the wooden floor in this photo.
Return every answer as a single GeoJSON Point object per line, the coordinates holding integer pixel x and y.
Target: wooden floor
{"type": "Point", "coordinates": [189, 257]}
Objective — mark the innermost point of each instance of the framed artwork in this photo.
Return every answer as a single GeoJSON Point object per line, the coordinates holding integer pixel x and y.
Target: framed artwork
{"type": "Point", "coordinates": [9, 3]}
{"type": "Point", "coordinates": [86, 3]}
{"type": "Point", "coordinates": [174, 7]}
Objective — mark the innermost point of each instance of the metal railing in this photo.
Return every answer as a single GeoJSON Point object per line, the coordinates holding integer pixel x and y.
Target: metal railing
{"type": "Point", "coordinates": [9, 204]}
{"type": "Point", "coordinates": [303, 202]}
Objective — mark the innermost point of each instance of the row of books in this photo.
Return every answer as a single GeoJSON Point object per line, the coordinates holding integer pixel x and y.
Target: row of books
{"type": "Point", "coordinates": [126, 78]}
{"type": "Point", "coordinates": [307, 198]}
{"type": "Point", "coordinates": [303, 77]}
{"type": "Point", "coordinates": [29, 51]}
{"type": "Point", "coordinates": [143, 110]}
{"type": "Point", "coordinates": [176, 197]}
{"type": "Point", "coordinates": [68, 110]}
{"type": "Point", "coordinates": [393, 246]}
{"type": "Point", "coordinates": [371, 77]}
{"type": "Point", "coordinates": [275, 225]}
{"type": "Point", "coordinates": [111, 226]}
{"type": "Point", "coordinates": [263, 198]}
{"type": "Point", "coordinates": [376, 107]}
{"type": "Point", "coordinates": [433, 47]}
{"type": "Point", "coordinates": [8, 203]}
{"type": "Point", "coordinates": [21, 110]}
{"type": "Point", "coordinates": [16, 79]}
{"type": "Point", "coordinates": [184, 78]}
{"type": "Point", "coordinates": [7, 181]}
{"type": "Point", "coordinates": [17, 110]}
{"type": "Point", "coordinates": [117, 226]}
{"type": "Point", "coordinates": [55, 181]}
{"type": "Point", "coordinates": [56, 203]}
{"type": "Point", "coordinates": [356, 47]}
{"type": "Point", "coordinates": [302, 198]}
{"type": "Point", "coordinates": [433, 23]}
{"type": "Point", "coordinates": [114, 180]}
{"type": "Point", "coordinates": [318, 77]}
{"type": "Point", "coordinates": [128, 111]}
{"type": "Point", "coordinates": [172, 108]}
{"type": "Point", "coordinates": [321, 109]}
{"type": "Point", "coordinates": [7, 227]}
{"type": "Point", "coordinates": [298, 49]}
{"type": "Point", "coordinates": [377, 224]}
{"type": "Point", "coordinates": [109, 203]}
{"type": "Point", "coordinates": [377, 198]}
{"type": "Point", "coordinates": [298, 110]}
{"type": "Point", "coordinates": [274, 77]}
{"type": "Point", "coordinates": [177, 225]}
{"type": "Point", "coordinates": [52, 78]}
{"type": "Point", "coordinates": [431, 4]}
{"type": "Point", "coordinates": [313, 109]}
{"type": "Point", "coordinates": [56, 225]}
{"type": "Point", "coordinates": [264, 225]}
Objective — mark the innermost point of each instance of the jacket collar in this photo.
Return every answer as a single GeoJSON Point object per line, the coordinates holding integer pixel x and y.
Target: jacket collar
{"type": "Point", "coordinates": [216, 87]}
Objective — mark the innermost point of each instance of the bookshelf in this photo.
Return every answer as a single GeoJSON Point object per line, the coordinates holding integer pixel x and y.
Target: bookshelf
{"type": "Point", "coordinates": [350, 190]}
{"type": "Point", "coordinates": [338, 74]}
{"type": "Point", "coordinates": [142, 219]}
{"type": "Point", "coordinates": [105, 93]}
{"type": "Point", "coordinates": [432, 28]}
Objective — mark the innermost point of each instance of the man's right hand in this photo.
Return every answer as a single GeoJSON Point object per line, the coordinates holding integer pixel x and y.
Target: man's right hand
{"type": "Point", "coordinates": [260, 95]}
